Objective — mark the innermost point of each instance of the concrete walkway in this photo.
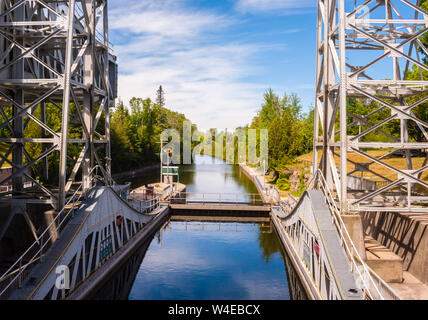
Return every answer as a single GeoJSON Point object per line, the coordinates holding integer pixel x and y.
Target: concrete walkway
{"type": "Point", "coordinates": [409, 289]}
{"type": "Point", "coordinates": [268, 192]}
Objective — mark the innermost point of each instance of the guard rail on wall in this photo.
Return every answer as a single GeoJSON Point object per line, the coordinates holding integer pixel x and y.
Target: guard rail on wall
{"type": "Point", "coordinates": [374, 287]}
{"type": "Point", "coordinates": [21, 268]}
{"type": "Point", "coordinates": [145, 205]}
{"type": "Point", "coordinates": [216, 198]}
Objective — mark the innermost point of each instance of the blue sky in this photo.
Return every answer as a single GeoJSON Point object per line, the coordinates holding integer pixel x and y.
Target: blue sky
{"type": "Point", "coordinates": [215, 59]}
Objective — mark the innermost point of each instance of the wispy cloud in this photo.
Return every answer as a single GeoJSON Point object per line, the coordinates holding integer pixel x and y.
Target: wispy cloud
{"type": "Point", "coordinates": [175, 47]}
{"type": "Point", "coordinates": [165, 20]}
{"type": "Point", "coordinates": [211, 62]}
{"type": "Point", "coordinates": [289, 6]}
{"type": "Point", "coordinates": [201, 82]}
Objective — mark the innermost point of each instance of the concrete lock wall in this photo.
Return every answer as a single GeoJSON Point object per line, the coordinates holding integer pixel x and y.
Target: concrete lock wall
{"type": "Point", "coordinates": [354, 226]}
{"type": "Point", "coordinates": [360, 183]}
{"type": "Point", "coordinates": [403, 233]}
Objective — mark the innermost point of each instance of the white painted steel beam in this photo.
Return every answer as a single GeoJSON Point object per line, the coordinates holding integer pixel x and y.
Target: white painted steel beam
{"type": "Point", "coordinates": [349, 34]}
{"type": "Point", "coordinates": [59, 42]}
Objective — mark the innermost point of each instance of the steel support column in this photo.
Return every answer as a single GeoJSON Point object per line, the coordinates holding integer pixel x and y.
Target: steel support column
{"type": "Point", "coordinates": [54, 64]}
{"type": "Point", "coordinates": [368, 52]}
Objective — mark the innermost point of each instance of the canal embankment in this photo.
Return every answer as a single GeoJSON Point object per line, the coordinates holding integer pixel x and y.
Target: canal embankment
{"type": "Point", "coordinates": [270, 194]}
{"type": "Point", "coordinates": [384, 230]}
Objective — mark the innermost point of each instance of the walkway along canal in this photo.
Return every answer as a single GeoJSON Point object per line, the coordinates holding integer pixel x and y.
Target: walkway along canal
{"type": "Point", "coordinates": [112, 250]}
{"type": "Point", "coordinates": [118, 246]}
{"type": "Point", "coordinates": [188, 252]}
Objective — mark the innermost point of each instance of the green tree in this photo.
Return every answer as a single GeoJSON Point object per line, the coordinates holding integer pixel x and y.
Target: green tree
{"type": "Point", "coordinates": [290, 131]}
{"type": "Point", "coordinates": [160, 97]}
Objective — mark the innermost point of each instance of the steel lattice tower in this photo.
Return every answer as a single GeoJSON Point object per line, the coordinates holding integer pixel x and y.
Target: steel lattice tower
{"type": "Point", "coordinates": [54, 53]}
{"type": "Point", "coordinates": [371, 51]}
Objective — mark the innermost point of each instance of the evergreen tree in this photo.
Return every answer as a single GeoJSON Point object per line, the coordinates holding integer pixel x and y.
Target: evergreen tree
{"type": "Point", "coordinates": [160, 97]}
{"type": "Point", "coordinates": [135, 132]}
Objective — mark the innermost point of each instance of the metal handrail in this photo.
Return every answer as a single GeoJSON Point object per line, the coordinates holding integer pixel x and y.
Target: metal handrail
{"type": "Point", "coordinates": [39, 241]}
{"type": "Point", "coordinates": [217, 193]}
{"type": "Point", "coordinates": [357, 263]}
{"type": "Point", "coordinates": [77, 195]}
{"type": "Point", "coordinates": [139, 204]}
{"type": "Point", "coordinates": [218, 197]}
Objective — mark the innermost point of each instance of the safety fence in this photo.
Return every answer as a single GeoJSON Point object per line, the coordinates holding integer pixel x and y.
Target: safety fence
{"type": "Point", "coordinates": [145, 205]}
{"type": "Point", "coordinates": [215, 198]}
{"type": "Point", "coordinates": [15, 275]}
{"type": "Point", "coordinates": [373, 286]}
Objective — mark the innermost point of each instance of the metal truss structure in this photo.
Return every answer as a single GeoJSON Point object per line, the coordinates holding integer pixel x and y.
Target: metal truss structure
{"type": "Point", "coordinates": [55, 61]}
{"type": "Point", "coordinates": [317, 238]}
{"type": "Point", "coordinates": [98, 227]}
{"type": "Point", "coordinates": [370, 51]}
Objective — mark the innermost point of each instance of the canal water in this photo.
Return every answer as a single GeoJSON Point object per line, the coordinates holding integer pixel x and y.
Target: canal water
{"type": "Point", "coordinates": [200, 260]}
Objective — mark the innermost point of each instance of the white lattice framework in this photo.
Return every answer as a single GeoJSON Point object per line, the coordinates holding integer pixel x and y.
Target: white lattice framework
{"type": "Point", "coordinates": [370, 51]}
{"type": "Point", "coordinates": [56, 53]}
{"type": "Point", "coordinates": [83, 239]}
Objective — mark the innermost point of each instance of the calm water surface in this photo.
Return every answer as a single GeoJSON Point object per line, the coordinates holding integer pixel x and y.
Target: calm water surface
{"type": "Point", "coordinates": [194, 260]}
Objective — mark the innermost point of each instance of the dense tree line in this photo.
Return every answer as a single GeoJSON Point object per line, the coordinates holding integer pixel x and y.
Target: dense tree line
{"type": "Point", "coordinates": [290, 130]}
{"type": "Point", "coordinates": [135, 132]}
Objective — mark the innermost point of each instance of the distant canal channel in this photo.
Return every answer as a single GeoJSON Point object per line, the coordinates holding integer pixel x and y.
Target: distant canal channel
{"type": "Point", "coordinates": [214, 260]}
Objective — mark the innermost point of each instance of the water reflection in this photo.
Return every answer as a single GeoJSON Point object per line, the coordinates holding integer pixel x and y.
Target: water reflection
{"type": "Point", "coordinates": [214, 265]}
{"type": "Point", "coordinates": [224, 264]}
{"type": "Point", "coordinates": [205, 175]}
{"type": "Point", "coordinates": [269, 245]}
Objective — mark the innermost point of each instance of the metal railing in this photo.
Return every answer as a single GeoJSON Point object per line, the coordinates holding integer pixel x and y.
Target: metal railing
{"type": "Point", "coordinates": [216, 198]}
{"type": "Point", "coordinates": [29, 257]}
{"type": "Point", "coordinates": [373, 288]}
{"type": "Point", "coordinates": [98, 36]}
{"type": "Point", "coordinates": [20, 269]}
{"type": "Point", "coordinates": [144, 205]}
{"type": "Point", "coordinates": [196, 226]}
{"type": "Point", "coordinates": [288, 205]}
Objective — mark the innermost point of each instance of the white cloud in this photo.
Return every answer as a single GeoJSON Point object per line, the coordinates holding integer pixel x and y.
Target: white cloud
{"type": "Point", "coordinates": [258, 285]}
{"type": "Point", "coordinates": [174, 46]}
{"type": "Point", "coordinates": [290, 6]}
{"type": "Point", "coordinates": [202, 82]}
{"type": "Point", "coordinates": [166, 22]}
